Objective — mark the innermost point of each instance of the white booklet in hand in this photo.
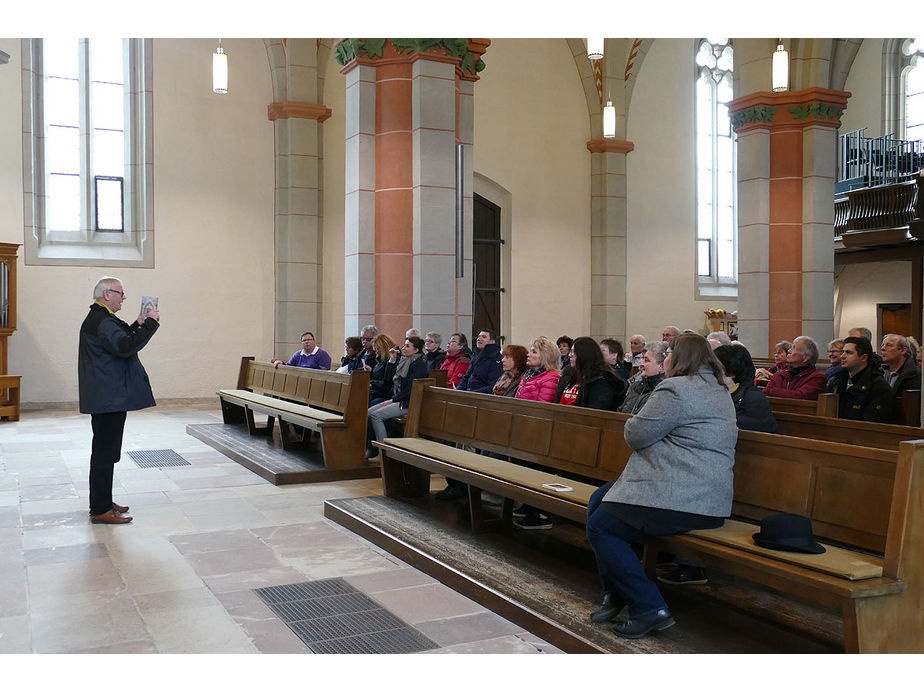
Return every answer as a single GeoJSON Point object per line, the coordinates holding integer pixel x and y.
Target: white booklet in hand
{"type": "Point", "coordinates": [148, 303]}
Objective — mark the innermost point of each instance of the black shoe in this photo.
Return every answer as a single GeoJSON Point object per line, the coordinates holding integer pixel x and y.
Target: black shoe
{"type": "Point", "coordinates": [685, 575]}
{"type": "Point", "coordinates": [521, 511]}
{"type": "Point", "coordinates": [534, 521]}
{"type": "Point", "coordinates": [608, 610]}
{"type": "Point", "coordinates": [452, 493]}
{"type": "Point", "coordinates": [641, 626]}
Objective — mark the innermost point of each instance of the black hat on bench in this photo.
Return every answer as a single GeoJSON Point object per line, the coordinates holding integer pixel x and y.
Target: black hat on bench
{"type": "Point", "coordinates": [787, 532]}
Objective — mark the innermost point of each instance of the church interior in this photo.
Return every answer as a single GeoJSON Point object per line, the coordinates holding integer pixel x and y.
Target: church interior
{"type": "Point", "coordinates": [510, 184]}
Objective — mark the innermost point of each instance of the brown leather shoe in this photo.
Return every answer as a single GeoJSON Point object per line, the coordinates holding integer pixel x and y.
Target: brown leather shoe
{"type": "Point", "coordinates": [120, 508]}
{"type": "Point", "coordinates": [110, 518]}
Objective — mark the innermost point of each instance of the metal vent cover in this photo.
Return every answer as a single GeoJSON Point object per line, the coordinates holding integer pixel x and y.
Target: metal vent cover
{"type": "Point", "coordinates": [156, 458]}
{"type": "Point", "coordinates": [333, 617]}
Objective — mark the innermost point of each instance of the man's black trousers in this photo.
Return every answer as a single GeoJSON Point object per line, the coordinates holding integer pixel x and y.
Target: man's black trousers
{"type": "Point", "coordinates": [106, 451]}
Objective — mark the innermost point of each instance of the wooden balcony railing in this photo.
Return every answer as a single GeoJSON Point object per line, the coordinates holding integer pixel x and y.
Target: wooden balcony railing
{"type": "Point", "coordinates": [885, 214]}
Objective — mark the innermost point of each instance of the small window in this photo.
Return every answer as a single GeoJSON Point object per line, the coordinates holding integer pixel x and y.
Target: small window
{"type": "Point", "coordinates": [914, 89]}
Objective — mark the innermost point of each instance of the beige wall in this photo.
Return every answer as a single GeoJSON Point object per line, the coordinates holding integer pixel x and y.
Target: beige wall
{"type": "Point", "coordinates": [213, 215]}
{"type": "Point", "coordinates": [864, 108]}
{"type": "Point", "coordinates": [531, 133]}
{"type": "Point", "coordinates": [332, 209]}
{"type": "Point", "coordinates": [661, 190]}
{"type": "Point", "coordinates": [859, 288]}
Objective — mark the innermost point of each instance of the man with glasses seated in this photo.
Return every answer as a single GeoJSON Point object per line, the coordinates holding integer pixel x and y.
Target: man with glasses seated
{"type": "Point", "coordinates": [367, 337]}
{"type": "Point", "coordinates": [310, 355]}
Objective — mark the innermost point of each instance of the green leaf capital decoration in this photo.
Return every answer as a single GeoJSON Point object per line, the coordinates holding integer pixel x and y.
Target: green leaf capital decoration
{"type": "Point", "coordinates": [350, 49]}
{"type": "Point", "coordinates": [820, 111]}
{"type": "Point", "coordinates": [754, 114]}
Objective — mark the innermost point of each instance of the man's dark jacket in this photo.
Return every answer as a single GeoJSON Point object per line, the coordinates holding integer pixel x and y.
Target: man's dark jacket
{"type": "Point", "coordinates": [487, 366]}
{"type": "Point", "coordinates": [909, 376]}
{"type": "Point", "coordinates": [435, 359]}
{"type": "Point", "coordinates": [109, 373]}
{"type": "Point", "coordinates": [753, 410]}
{"type": "Point", "coordinates": [868, 398]}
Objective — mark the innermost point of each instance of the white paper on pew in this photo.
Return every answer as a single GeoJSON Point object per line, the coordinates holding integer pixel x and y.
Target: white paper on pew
{"type": "Point", "coordinates": [561, 488]}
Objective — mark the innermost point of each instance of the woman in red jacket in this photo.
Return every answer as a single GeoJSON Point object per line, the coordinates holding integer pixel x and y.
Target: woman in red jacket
{"type": "Point", "coordinates": [458, 359]}
{"type": "Point", "coordinates": [539, 383]}
{"type": "Point", "coordinates": [541, 377]}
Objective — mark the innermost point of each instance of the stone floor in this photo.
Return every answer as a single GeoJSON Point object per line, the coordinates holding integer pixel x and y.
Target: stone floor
{"type": "Point", "coordinates": [180, 578]}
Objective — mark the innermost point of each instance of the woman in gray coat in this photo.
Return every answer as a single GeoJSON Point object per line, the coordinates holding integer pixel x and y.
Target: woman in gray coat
{"type": "Point", "coordinates": [678, 478]}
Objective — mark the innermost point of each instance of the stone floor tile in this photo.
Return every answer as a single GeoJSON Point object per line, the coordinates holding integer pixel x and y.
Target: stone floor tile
{"type": "Point", "coordinates": [507, 644]}
{"type": "Point", "coordinates": [144, 577]}
{"type": "Point", "coordinates": [64, 554]}
{"type": "Point", "coordinates": [199, 630]}
{"type": "Point", "coordinates": [219, 540]}
{"type": "Point", "coordinates": [232, 561]}
{"type": "Point", "coordinates": [15, 635]}
{"type": "Point", "coordinates": [72, 577]}
{"type": "Point", "coordinates": [467, 629]}
{"type": "Point", "coordinates": [85, 620]}
{"type": "Point", "coordinates": [370, 583]}
{"type": "Point", "coordinates": [193, 597]}
{"type": "Point", "coordinates": [427, 603]}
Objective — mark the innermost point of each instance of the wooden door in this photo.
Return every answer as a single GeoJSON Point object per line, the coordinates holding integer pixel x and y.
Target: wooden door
{"type": "Point", "coordinates": [894, 318]}
{"type": "Point", "coordinates": [486, 247]}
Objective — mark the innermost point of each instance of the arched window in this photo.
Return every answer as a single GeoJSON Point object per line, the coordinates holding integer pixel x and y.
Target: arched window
{"type": "Point", "coordinates": [716, 184]}
{"type": "Point", "coordinates": [913, 89]}
{"type": "Point", "coordinates": [89, 152]}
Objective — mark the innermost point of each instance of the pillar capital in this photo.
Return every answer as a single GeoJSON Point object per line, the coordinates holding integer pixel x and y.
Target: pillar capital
{"type": "Point", "coordinates": [297, 109]}
{"type": "Point", "coordinates": [465, 54]}
{"type": "Point", "coordinates": [608, 145]}
{"type": "Point", "coordinates": [768, 109]}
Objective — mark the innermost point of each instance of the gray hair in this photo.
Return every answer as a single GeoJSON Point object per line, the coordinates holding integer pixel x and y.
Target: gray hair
{"type": "Point", "coordinates": [915, 348]}
{"type": "Point", "coordinates": [810, 347]}
{"type": "Point", "coordinates": [370, 328]}
{"type": "Point", "coordinates": [640, 336]}
{"type": "Point", "coordinates": [659, 349]}
{"type": "Point", "coordinates": [721, 336]}
{"type": "Point", "coordinates": [784, 345]}
{"type": "Point", "coordinates": [902, 341]}
{"type": "Point", "coordinates": [864, 332]}
{"type": "Point", "coordinates": [413, 332]}
{"type": "Point", "coordinates": [435, 336]}
{"type": "Point", "coordinates": [105, 284]}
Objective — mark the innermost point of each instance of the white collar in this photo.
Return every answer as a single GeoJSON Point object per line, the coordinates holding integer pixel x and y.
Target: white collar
{"type": "Point", "coordinates": [313, 352]}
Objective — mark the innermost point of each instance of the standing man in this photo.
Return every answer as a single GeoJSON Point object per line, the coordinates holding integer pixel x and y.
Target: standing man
{"type": "Point", "coordinates": [310, 356]}
{"type": "Point", "coordinates": [111, 382]}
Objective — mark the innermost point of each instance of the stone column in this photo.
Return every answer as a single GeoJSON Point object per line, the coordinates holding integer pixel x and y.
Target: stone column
{"type": "Point", "coordinates": [608, 237]}
{"type": "Point", "coordinates": [786, 175]}
{"type": "Point", "coordinates": [406, 111]}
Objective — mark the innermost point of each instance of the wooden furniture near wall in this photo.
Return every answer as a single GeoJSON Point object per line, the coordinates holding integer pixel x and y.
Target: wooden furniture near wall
{"type": "Point", "coordinates": [9, 384]}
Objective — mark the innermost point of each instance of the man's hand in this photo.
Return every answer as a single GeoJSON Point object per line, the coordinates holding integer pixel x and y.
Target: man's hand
{"type": "Point", "coordinates": [276, 363]}
{"type": "Point", "coordinates": [150, 314]}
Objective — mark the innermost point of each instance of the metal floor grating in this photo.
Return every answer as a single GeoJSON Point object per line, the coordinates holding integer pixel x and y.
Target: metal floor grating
{"type": "Point", "coordinates": [156, 458]}
{"type": "Point", "coordinates": [333, 617]}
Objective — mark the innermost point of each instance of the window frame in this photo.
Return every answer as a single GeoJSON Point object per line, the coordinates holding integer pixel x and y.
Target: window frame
{"type": "Point", "coordinates": [713, 285]}
{"type": "Point", "coordinates": [132, 247]}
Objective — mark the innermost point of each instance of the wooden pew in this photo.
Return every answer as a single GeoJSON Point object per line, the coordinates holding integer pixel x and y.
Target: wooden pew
{"type": "Point", "coordinates": [333, 404]}
{"type": "Point", "coordinates": [868, 501]}
{"type": "Point", "coordinates": [864, 433]}
{"type": "Point", "coordinates": [825, 405]}
{"type": "Point", "coordinates": [908, 408]}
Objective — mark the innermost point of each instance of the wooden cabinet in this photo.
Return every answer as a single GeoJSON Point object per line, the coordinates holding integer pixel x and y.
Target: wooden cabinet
{"type": "Point", "coordinates": [9, 384]}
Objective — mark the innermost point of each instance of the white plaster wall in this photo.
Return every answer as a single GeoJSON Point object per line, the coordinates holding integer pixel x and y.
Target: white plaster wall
{"type": "Point", "coordinates": [531, 133]}
{"type": "Point", "coordinates": [859, 288]}
{"type": "Point", "coordinates": [864, 108]}
{"type": "Point", "coordinates": [661, 243]}
{"type": "Point", "coordinates": [213, 215]}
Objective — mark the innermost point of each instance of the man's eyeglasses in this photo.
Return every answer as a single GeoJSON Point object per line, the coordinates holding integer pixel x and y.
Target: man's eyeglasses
{"type": "Point", "coordinates": [121, 293]}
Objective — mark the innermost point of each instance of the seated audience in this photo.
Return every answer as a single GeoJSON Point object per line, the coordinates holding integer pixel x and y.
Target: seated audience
{"type": "Point", "coordinates": [834, 356]}
{"type": "Point", "coordinates": [458, 358]}
{"type": "Point", "coordinates": [861, 332]}
{"type": "Point", "coordinates": [752, 410]}
{"type": "Point", "coordinates": [589, 381]}
{"type": "Point", "coordinates": [538, 383]}
{"type": "Point", "coordinates": [383, 372]}
{"type": "Point", "coordinates": [863, 394]}
{"type": "Point", "coordinates": [651, 372]}
{"type": "Point", "coordinates": [413, 365]}
{"type": "Point", "coordinates": [637, 349]}
{"type": "Point", "coordinates": [486, 366]}
{"type": "Point", "coordinates": [915, 351]}
{"type": "Point", "coordinates": [367, 337]}
{"type": "Point", "coordinates": [564, 348]}
{"type": "Point", "coordinates": [514, 362]}
{"type": "Point", "coordinates": [309, 356]}
{"type": "Point", "coordinates": [353, 355]}
{"type": "Point", "coordinates": [678, 478]}
{"type": "Point", "coordinates": [800, 379]}
{"type": "Point", "coordinates": [720, 336]}
{"type": "Point", "coordinates": [898, 366]}
{"type": "Point", "coordinates": [614, 356]}
{"type": "Point", "coordinates": [435, 355]}
{"type": "Point", "coordinates": [669, 332]}
{"type": "Point", "coordinates": [779, 356]}
{"type": "Point", "coordinates": [412, 332]}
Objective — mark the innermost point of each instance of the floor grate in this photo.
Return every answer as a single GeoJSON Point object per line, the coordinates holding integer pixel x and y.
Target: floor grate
{"type": "Point", "coordinates": [333, 617]}
{"type": "Point", "coordinates": [156, 458]}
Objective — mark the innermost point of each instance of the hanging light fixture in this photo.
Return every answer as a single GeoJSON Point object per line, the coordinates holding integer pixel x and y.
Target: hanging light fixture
{"type": "Point", "coordinates": [220, 70]}
{"type": "Point", "coordinates": [609, 120]}
{"type": "Point", "coordinates": [780, 67]}
{"type": "Point", "coordinates": [595, 49]}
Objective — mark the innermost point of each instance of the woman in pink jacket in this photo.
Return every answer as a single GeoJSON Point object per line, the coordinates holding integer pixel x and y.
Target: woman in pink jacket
{"type": "Point", "coordinates": [541, 377]}
{"type": "Point", "coordinates": [539, 383]}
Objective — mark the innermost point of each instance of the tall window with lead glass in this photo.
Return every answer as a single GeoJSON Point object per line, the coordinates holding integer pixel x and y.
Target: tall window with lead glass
{"type": "Point", "coordinates": [914, 89]}
{"type": "Point", "coordinates": [716, 222]}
